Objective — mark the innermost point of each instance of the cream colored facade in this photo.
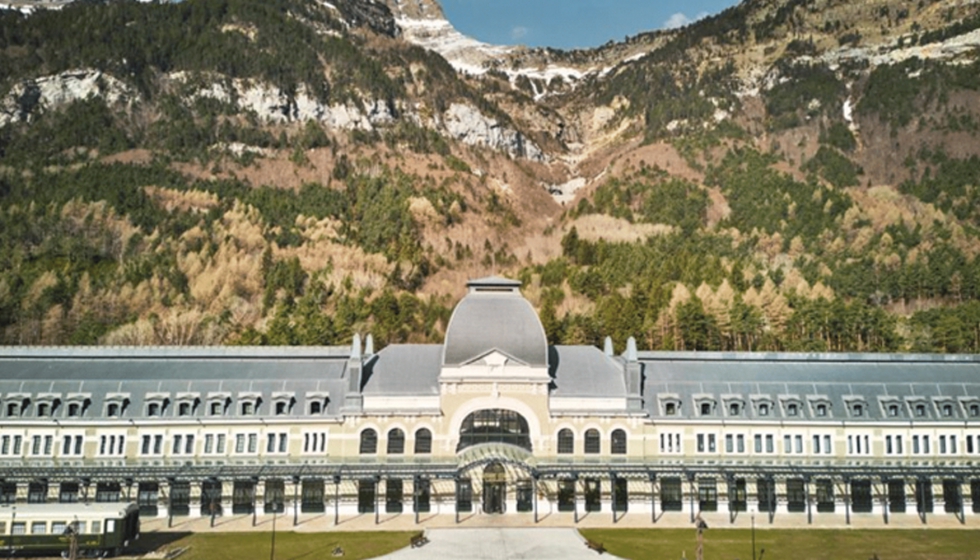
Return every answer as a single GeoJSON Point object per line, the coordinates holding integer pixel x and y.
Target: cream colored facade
{"type": "Point", "coordinates": [495, 421]}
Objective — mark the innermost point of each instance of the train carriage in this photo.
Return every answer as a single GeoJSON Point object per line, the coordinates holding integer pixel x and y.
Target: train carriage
{"type": "Point", "coordinates": [100, 529]}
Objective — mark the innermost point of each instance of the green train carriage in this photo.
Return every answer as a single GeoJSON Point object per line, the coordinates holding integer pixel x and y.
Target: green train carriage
{"type": "Point", "coordinates": [101, 529]}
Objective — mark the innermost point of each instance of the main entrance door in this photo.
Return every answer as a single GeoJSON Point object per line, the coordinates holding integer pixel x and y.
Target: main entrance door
{"type": "Point", "coordinates": [494, 488]}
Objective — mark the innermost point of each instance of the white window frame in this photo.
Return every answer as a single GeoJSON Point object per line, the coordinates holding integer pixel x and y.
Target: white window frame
{"type": "Point", "coordinates": [671, 443]}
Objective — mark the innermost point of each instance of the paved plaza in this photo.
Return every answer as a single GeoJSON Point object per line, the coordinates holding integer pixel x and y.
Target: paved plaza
{"type": "Point", "coordinates": [500, 544]}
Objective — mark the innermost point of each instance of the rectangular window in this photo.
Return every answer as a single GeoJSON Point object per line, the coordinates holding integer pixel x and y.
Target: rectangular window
{"type": "Point", "coordinates": [36, 445]}
{"type": "Point", "coordinates": [758, 443]}
{"type": "Point", "coordinates": [270, 446]}
{"type": "Point", "coordinates": [952, 444]}
{"type": "Point", "coordinates": [178, 440]}
{"type": "Point", "coordinates": [712, 444]}
{"type": "Point", "coordinates": [942, 445]}
{"type": "Point", "coordinates": [915, 445]}
{"type": "Point", "coordinates": [49, 442]}
{"type": "Point", "coordinates": [740, 440]}
{"type": "Point", "coordinates": [239, 443]}
{"type": "Point", "coordinates": [253, 442]}
{"type": "Point", "coordinates": [282, 443]}
{"type": "Point", "coordinates": [888, 445]}
{"type": "Point", "coordinates": [827, 448]}
{"type": "Point", "coordinates": [799, 444]}
{"type": "Point", "coordinates": [770, 445]}
{"type": "Point", "coordinates": [925, 444]}
{"type": "Point", "coordinates": [189, 444]}
{"type": "Point", "coordinates": [208, 443]}
{"type": "Point", "coordinates": [39, 527]}
{"type": "Point", "coordinates": [700, 443]}
{"type": "Point", "coordinates": [787, 444]}
{"type": "Point", "coordinates": [708, 494]}
{"type": "Point", "coordinates": [898, 444]}
{"type": "Point", "coordinates": [221, 444]}
{"type": "Point", "coordinates": [729, 443]}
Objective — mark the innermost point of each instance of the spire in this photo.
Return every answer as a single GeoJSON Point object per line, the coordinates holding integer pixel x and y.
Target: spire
{"type": "Point", "coordinates": [607, 348]}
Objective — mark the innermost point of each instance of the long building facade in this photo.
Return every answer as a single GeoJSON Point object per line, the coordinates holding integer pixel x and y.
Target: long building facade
{"type": "Point", "coordinates": [493, 421]}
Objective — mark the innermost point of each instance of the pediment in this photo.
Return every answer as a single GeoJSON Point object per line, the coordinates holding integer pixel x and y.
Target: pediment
{"type": "Point", "coordinates": [493, 359]}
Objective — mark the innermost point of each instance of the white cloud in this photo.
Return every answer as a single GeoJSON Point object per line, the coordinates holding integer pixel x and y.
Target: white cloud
{"type": "Point", "coordinates": [680, 20]}
{"type": "Point", "coordinates": [518, 33]}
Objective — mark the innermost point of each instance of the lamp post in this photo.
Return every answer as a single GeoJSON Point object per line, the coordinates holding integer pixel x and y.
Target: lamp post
{"type": "Point", "coordinates": [272, 549]}
{"type": "Point", "coordinates": [753, 535]}
{"type": "Point", "coordinates": [701, 526]}
{"type": "Point", "coordinates": [296, 482]}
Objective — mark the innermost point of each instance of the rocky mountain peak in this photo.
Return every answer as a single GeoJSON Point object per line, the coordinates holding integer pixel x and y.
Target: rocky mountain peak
{"type": "Point", "coordinates": [416, 9]}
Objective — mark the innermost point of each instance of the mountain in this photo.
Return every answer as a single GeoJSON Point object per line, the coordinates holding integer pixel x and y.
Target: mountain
{"type": "Point", "coordinates": [785, 175]}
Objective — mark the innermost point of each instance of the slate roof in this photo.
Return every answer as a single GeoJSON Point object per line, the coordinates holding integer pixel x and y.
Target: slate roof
{"type": "Point", "coordinates": [494, 316]}
{"type": "Point", "coordinates": [139, 374]}
{"type": "Point", "coordinates": [584, 371]}
{"type": "Point", "coordinates": [404, 370]}
{"type": "Point", "coordinates": [855, 387]}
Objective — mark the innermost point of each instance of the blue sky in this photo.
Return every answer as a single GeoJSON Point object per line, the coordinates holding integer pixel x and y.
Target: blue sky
{"type": "Point", "coordinates": [570, 24]}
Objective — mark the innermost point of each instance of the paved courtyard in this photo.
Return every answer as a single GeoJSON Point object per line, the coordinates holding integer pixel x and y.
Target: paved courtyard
{"type": "Point", "coordinates": [500, 544]}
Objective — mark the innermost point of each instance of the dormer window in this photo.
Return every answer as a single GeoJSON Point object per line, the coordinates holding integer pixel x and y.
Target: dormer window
{"type": "Point", "coordinates": [792, 409]}
{"type": "Point", "coordinates": [316, 402]}
{"type": "Point", "coordinates": [974, 410]}
{"type": "Point", "coordinates": [671, 404]}
{"type": "Point", "coordinates": [947, 410]}
{"type": "Point", "coordinates": [893, 410]}
{"type": "Point", "coordinates": [156, 405]}
{"type": "Point", "coordinates": [821, 410]}
{"type": "Point", "coordinates": [248, 408]}
{"type": "Point", "coordinates": [43, 409]}
{"type": "Point", "coordinates": [184, 409]}
{"type": "Point", "coordinates": [280, 408]}
{"type": "Point", "coordinates": [858, 410]}
{"type": "Point", "coordinates": [218, 407]}
{"type": "Point", "coordinates": [74, 409]}
{"type": "Point", "coordinates": [116, 404]}
{"type": "Point", "coordinates": [764, 409]}
{"type": "Point", "coordinates": [705, 404]}
{"type": "Point", "coordinates": [920, 410]}
{"type": "Point", "coordinates": [734, 409]}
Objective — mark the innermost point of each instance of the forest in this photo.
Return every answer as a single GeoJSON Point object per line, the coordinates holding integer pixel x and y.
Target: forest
{"type": "Point", "coordinates": [727, 220]}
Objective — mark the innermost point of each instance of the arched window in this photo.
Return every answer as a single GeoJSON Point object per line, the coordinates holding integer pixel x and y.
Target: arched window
{"type": "Point", "coordinates": [566, 441]}
{"type": "Point", "coordinates": [423, 441]}
{"type": "Point", "coordinates": [592, 441]}
{"type": "Point", "coordinates": [494, 425]}
{"type": "Point", "coordinates": [369, 442]}
{"type": "Point", "coordinates": [618, 446]}
{"type": "Point", "coordinates": [396, 442]}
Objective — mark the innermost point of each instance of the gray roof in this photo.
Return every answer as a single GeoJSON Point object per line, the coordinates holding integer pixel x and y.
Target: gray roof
{"type": "Point", "coordinates": [404, 369]}
{"type": "Point", "coordinates": [584, 371]}
{"type": "Point", "coordinates": [141, 375]}
{"type": "Point", "coordinates": [854, 387]}
{"type": "Point", "coordinates": [496, 319]}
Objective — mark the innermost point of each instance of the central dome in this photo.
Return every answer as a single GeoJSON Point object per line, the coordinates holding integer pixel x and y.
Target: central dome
{"type": "Point", "coordinates": [495, 316]}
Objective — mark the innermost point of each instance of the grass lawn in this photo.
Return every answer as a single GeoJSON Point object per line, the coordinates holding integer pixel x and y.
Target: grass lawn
{"type": "Point", "coordinates": [289, 546]}
{"type": "Point", "coordinates": [808, 544]}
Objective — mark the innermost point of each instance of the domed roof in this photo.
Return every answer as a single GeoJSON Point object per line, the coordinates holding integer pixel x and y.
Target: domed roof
{"type": "Point", "coordinates": [495, 316]}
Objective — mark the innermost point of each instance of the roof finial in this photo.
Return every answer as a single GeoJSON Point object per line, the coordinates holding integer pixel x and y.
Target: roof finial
{"type": "Point", "coordinates": [355, 348]}
{"type": "Point", "coordinates": [608, 347]}
{"type": "Point", "coordinates": [631, 349]}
